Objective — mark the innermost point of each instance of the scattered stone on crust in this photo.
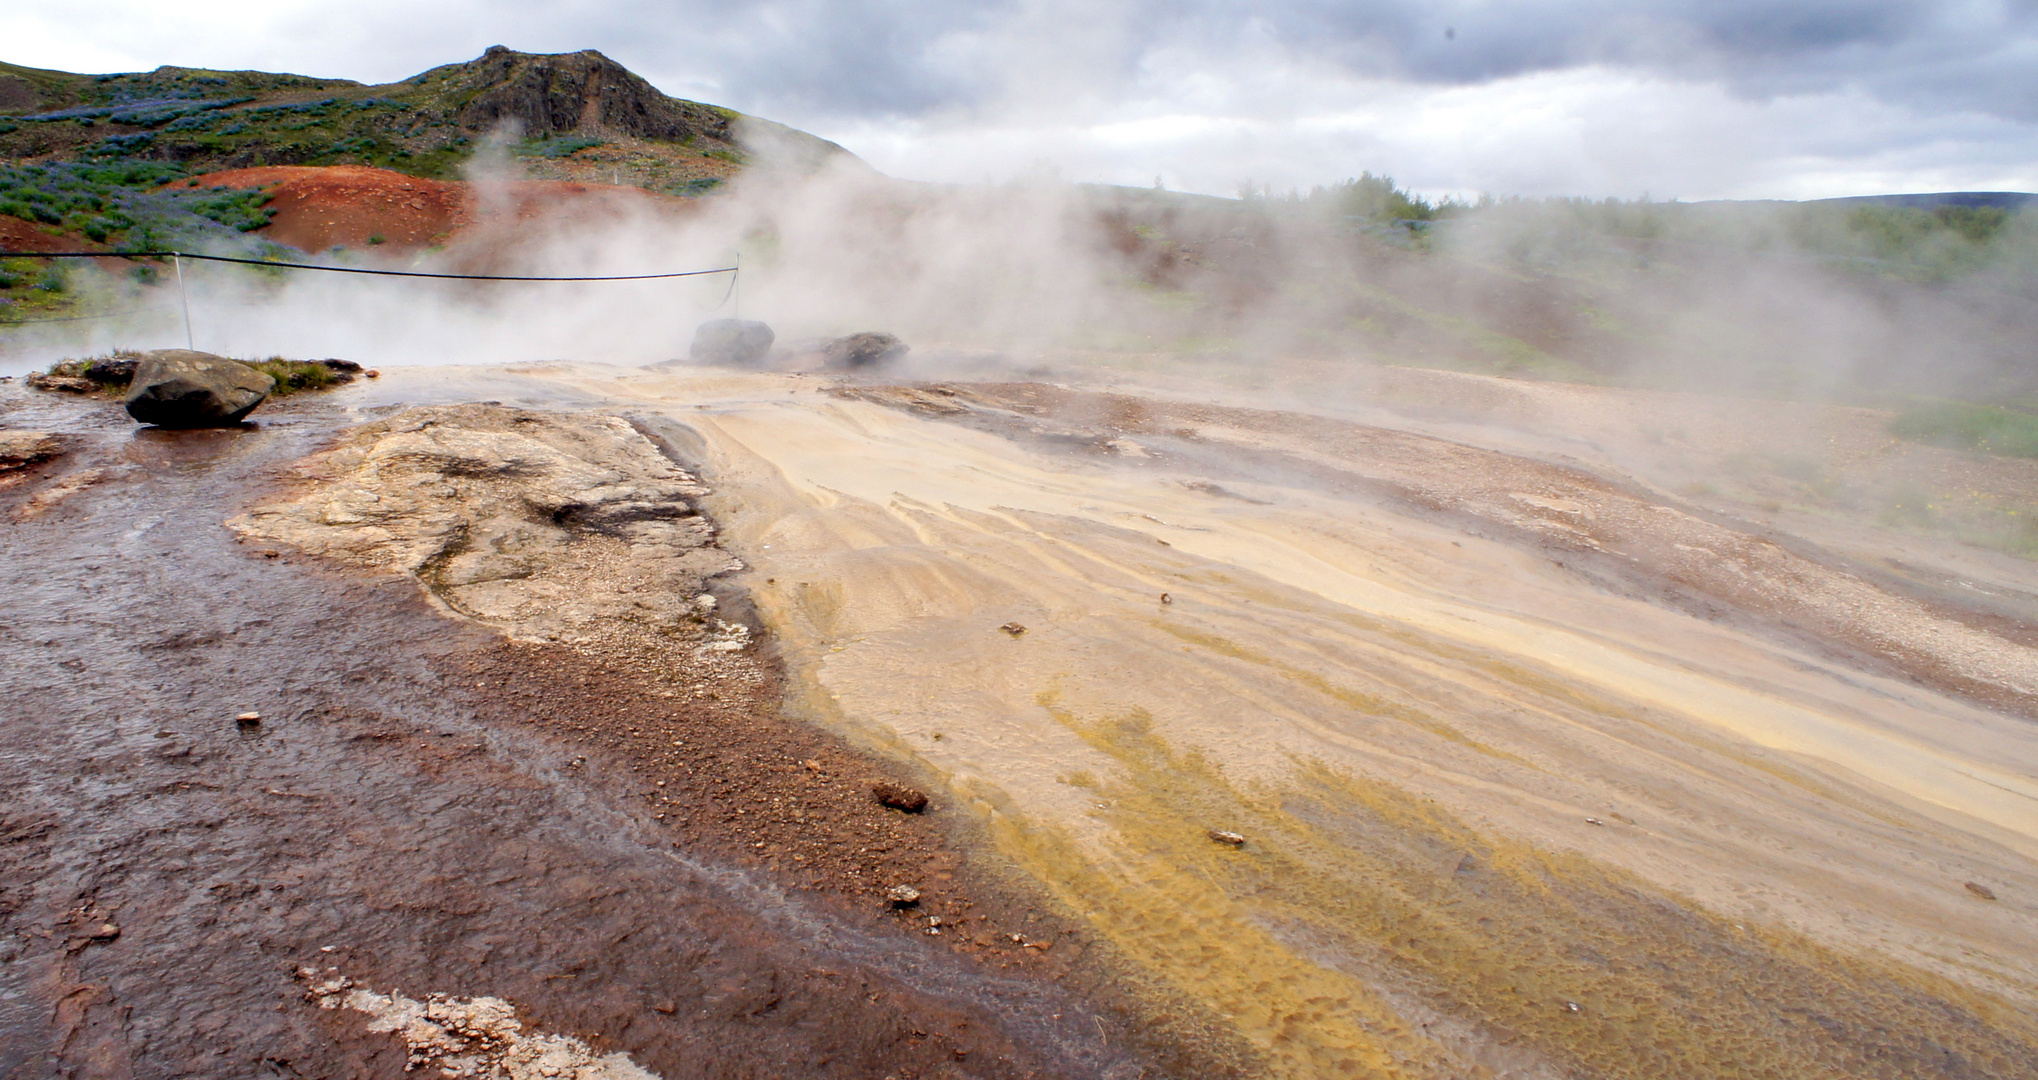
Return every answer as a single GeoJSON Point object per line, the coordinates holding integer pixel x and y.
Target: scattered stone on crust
{"type": "Point", "coordinates": [899, 797]}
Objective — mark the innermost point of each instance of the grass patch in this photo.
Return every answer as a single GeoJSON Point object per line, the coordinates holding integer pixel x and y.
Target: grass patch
{"type": "Point", "coordinates": [296, 376]}
{"type": "Point", "coordinates": [1964, 426]}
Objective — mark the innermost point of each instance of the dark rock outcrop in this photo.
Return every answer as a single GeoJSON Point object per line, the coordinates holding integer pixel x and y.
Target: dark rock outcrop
{"type": "Point", "coordinates": [112, 370]}
{"type": "Point", "coordinates": [583, 92]}
{"type": "Point", "coordinates": [866, 349]}
{"type": "Point", "coordinates": [738, 342]}
{"type": "Point", "coordinates": [178, 388]}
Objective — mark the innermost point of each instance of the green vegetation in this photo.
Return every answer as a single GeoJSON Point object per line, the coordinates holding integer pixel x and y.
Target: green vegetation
{"type": "Point", "coordinates": [696, 187]}
{"type": "Point", "coordinates": [1964, 426]}
{"type": "Point", "coordinates": [124, 204]}
{"type": "Point", "coordinates": [1935, 245]}
{"type": "Point", "coordinates": [244, 211]}
{"type": "Point", "coordinates": [295, 376]}
{"type": "Point", "coordinates": [546, 146]}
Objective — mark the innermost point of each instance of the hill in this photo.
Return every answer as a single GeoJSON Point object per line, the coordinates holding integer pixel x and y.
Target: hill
{"type": "Point", "coordinates": [200, 160]}
{"type": "Point", "coordinates": [577, 116]}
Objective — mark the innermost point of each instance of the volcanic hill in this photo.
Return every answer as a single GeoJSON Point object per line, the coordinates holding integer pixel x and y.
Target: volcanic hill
{"type": "Point", "coordinates": [577, 116]}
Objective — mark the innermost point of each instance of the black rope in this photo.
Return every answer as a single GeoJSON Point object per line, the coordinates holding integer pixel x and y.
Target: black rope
{"type": "Point", "coordinates": [341, 269]}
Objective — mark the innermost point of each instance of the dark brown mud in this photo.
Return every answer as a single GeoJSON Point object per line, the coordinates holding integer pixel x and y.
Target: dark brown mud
{"type": "Point", "coordinates": [426, 809]}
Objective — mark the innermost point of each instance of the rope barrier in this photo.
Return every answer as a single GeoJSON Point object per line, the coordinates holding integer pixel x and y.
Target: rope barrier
{"type": "Point", "coordinates": [734, 272]}
{"type": "Point", "coordinates": [347, 269]}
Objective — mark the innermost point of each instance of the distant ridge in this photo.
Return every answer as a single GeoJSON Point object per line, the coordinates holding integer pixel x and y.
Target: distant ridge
{"type": "Point", "coordinates": [1932, 200]}
{"type": "Point", "coordinates": [2008, 200]}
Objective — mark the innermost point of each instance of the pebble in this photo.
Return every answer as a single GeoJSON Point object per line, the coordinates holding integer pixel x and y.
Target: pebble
{"type": "Point", "coordinates": [249, 719]}
{"type": "Point", "coordinates": [1223, 837]}
{"type": "Point", "coordinates": [899, 797]}
{"type": "Point", "coordinates": [902, 895]}
{"type": "Point", "coordinates": [1983, 891]}
{"type": "Point", "coordinates": [1012, 628]}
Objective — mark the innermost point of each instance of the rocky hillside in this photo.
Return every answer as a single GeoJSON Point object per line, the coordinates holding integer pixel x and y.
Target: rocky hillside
{"type": "Point", "coordinates": [577, 116]}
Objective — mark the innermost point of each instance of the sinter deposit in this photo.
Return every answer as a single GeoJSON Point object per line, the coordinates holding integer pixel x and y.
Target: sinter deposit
{"type": "Point", "coordinates": [554, 528]}
{"type": "Point", "coordinates": [469, 1037]}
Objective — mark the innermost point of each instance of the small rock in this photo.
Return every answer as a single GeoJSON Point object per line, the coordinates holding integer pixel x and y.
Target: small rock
{"type": "Point", "coordinates": [111, 370]}
{"type": "Point", "coordinates": [1594, 821]}
{"type": "Point", "coordinates": [249, 719]}
{"type": "Point", "coordinates": [1983, 891]}
{"type": "Point", "coordinates": [1223, 837]}
{"type": "Point", "coordinates": [1166, 599]}
{"type": "Point", "coordinates": [902, 895]}
{"type": "Point", "coordinates": [736, 342]}
{"type": "Point", "coordinates": [67, 384]}
{"type": "Point", "coordinates": [341, 367]}
{"type": "Point", "coordinates": [899, 797]}
{"type": "Point", "coordinates": [867, 349]}
{"type": "Point", "coordinates": [179, 388]}
{"type": "Point", "coordinates": [1013, 629]}
{"type": "Point", "coordinates": [106, 932]}
{"type": "Point", "coordinates": [372, 373]}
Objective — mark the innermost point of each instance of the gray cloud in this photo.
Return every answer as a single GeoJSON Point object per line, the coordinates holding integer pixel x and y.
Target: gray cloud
{"type": "Point", "coordinates": [1678, 97]}
{"type": "Point", "coordinates": [899, 57]}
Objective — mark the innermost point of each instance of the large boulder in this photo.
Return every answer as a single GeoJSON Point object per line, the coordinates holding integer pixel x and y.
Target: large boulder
{"type": "Point", "coordinates": [736, 342]}
{"type": "Point", "coordinates": [866, 349]}
{"type": "Point", "coordinates": [179, 388]}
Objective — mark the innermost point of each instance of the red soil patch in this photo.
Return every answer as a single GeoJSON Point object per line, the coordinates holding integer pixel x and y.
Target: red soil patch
{"type": "Point", "coordinates": [351, 205]}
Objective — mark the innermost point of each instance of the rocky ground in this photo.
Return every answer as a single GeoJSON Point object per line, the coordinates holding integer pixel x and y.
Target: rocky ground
{"type": "Point", "coordinates": [228, 762]}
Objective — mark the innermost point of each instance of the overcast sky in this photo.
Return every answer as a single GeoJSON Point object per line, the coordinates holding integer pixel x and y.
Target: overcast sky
{"type": "Point", "coordinates": [1687, 99]}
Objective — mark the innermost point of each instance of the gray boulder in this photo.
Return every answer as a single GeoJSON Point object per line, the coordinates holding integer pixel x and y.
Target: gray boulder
{"type": "Point", "coordinates": [178, 388]}
{"type": "Point", "coordinates": [866, 349]}
{"type": "Point", "coordinates": [737, 342]}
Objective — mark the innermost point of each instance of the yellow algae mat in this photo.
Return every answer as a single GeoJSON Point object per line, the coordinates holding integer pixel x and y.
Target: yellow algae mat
{"type": "Point", "coordinates": [1497, 818]}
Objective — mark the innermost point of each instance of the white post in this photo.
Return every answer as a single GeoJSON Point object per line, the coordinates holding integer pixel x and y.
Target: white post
{"type": "Point", "coordinates": [186, 297]}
